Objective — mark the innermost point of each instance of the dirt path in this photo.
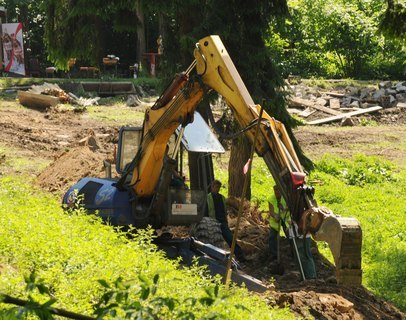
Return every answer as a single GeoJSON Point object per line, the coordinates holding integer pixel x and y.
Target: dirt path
{"type": "Point", "coordinates": [55, 137]}
{"type": "Point", "coordinates": [387, 141]}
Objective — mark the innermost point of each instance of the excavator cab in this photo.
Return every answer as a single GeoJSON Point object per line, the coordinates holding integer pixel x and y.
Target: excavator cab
{"type": "Point", "coordinates": [181, 204]}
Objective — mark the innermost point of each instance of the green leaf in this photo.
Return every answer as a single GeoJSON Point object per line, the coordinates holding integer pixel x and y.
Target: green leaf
{"type": "Point", "coordinates": [156, 278]}
{"type": "Point", "coordinates": [48, 303]}
{"type": "Point", "coordinates": [207, 301]}
{"type": "Point", "coordinates": [104, 283]}
{"type": "Point", "coordinates": [144, 293]}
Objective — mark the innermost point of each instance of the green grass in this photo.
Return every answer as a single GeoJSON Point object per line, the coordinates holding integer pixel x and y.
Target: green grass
{"type": "Point", "coordinates": [118, 115]}
{"type": "Point", "coordinates": [5, 82]}
{"type": "Point", "coordinates": [14, 161]}
{"type": "Point", "coordinates": [71, 252]}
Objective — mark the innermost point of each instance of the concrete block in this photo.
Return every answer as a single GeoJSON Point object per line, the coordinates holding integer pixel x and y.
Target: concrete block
{"type": "Point", "coordinates": [378, 94]}
{"type": "Point", "coordinates": [385, 85]}
{"type": "Point", "coordinates": [334, 103]}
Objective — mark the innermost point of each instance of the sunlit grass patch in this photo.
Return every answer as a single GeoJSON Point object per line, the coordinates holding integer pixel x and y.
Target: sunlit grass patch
{"type": "Point", "coordinates": [71, 252]}
{"type": "Point", "coordinates": [13, 160]}
{"type": "Point", "coordinates": [119, 115]}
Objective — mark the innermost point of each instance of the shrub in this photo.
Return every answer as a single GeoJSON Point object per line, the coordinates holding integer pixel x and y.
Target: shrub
{"type": "Point", "coordinates": [360, 171]}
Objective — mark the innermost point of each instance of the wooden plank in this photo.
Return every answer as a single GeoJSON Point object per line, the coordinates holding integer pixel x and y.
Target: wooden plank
{"type": "Point", "coordinates": [35, 100]}
{"type": "Point", "coordinates": [335, 94]}
{"type": "Point", "coordinates": [307, 112]}
{"type": "Point", "coordinates": [294, 111]}
{"type": "Point", "coordinates": [302, 102]}
{"type": "Point", "coordinates": [335, 104]}
{"type": "Point", "coordinates": [326, 110]}
{"type": "Point", "coordinates": [401, 105]}
{"type": "Point", "coordinates": [343, 115]}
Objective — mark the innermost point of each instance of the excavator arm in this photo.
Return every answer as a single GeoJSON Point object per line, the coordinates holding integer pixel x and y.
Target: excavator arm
{"type": "Point", "coordinates": [213, 69]}
{"type": "Point", "coordinates": [343, 235]}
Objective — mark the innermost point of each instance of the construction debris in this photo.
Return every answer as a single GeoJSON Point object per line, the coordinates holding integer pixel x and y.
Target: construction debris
{"type": "Point", "coordinates": [49, 95]}
{"type": "Point", "coordinates": [36, 100]}
{"type": "Point", "coordinates": [84, 101]}
{"type": "Point", "coordinates": [345, 115]}
{"type": "Point", "coordinates": [319, 106]}
{"type": "Point", "coordinates": [50, 89]}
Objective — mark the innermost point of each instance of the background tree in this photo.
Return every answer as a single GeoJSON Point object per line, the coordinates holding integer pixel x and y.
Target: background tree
{"type": "Point", "coordinates": [393, 23]}
{"type": "Point", "coordinates": [30, 13]}
{"type": "Point", "coordinates": [89, 31]}
{"type": "Point", "coordinates": [332, 38]}
{"type": "Point", "coordinates": [336, 38]}
{"type": "Point", "coordinates": [243, 28]}
{"type": "Point", "coordinates": [73, 29]}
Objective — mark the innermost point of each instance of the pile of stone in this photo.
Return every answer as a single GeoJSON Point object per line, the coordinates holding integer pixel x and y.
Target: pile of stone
{"type": "Point", "coordinates": [318, 106]}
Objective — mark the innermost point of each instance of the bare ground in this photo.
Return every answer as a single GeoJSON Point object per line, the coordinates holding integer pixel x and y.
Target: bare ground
{"type": "Point", "coordinates": [55, 136]}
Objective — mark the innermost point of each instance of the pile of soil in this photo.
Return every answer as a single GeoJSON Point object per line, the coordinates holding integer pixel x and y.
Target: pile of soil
{"type": "Point", "coordinates": [70, 167]}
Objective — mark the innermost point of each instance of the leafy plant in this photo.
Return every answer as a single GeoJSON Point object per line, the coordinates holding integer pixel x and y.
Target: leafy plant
{"type": "Point", "coordinates": [365, 122]}
{"type": "Point", "coordinates": [360, 171]}
{"type": "Point", "coordinates": [335, 38]}
{"type": "Point", "coordinates": [32, 306]}
{"type": "Point", "coordinates": [140, 301]}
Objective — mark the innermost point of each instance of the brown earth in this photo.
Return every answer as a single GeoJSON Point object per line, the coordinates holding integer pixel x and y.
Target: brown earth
{"type": "Point", "coordinates": [57, 136]}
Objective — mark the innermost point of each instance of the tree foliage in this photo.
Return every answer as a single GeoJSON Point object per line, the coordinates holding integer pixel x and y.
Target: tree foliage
{"type": "Point", "coordinates": [393, 23]}
{"type": "Point", "coordinates": [31, 14]}
{"type": "Point", "coordinates": [336, 38]}
{"type": "Point", "coordinates": [73, 29]}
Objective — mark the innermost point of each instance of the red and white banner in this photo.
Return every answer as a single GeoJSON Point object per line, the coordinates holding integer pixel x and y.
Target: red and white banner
{"type": "Point", "coordinates": [13, 51]}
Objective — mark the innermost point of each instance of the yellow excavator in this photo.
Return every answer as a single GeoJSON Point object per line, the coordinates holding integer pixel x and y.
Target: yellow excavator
{"type": "Point", "coordinates": [146, 160]}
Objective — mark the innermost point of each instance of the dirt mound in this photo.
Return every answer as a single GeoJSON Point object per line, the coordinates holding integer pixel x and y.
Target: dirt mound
{"type": "Point", "coordinates": [322, 301]}
{"type": "Point", "coordinates": [318, 305]}
{"type": "Point", "coordinates": [70, 167]}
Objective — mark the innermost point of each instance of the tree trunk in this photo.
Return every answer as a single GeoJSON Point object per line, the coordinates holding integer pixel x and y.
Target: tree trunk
{"type": "Point", "coordinates": [240, 152]}
{"type": "Point", "coordinates": [162, 26]}
{"type": "Point", "coordinates": [141, 42]}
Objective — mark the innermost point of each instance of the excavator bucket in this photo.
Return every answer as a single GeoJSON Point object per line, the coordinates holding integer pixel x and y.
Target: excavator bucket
{"type": "Point", "coordinates": [344, 237]}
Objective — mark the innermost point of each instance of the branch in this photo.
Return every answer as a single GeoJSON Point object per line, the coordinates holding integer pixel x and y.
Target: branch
{"type": "Point", "coordinates": [60, 312]}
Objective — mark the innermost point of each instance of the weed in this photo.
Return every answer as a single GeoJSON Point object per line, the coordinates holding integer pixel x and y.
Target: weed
{"type": "Point", "coordinates": [359, 171]}
{"type": "Point", "coordinates": [365, 122]}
